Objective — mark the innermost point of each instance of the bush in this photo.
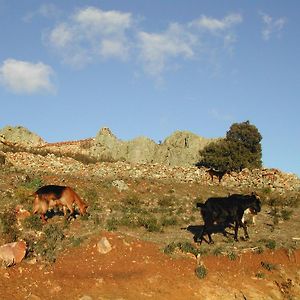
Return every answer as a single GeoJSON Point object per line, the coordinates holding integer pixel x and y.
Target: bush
{"type": "Point", "coordinates": [201, 272]}
{"type": "Point", "coordinates": [33, 222]}
{"type": "Point", "coordinates": [9, 225]}
{"type": "Point", "coordinates": [112, 224]}
{"type": "Point", "coordinates": [217, 251]}
{"type": "Point", "coordinates": [260, 275]}
{"type": "Point", "coordinates": [149, 223]}
{"type": "Point", "coordinates": [271, 244]}
{"type": "Point", "coordinates": [166, 201]}
{"type": "Point", "coordinates": [171, 221]}
{"type": "Point", "coordinates": [286, 214]}
{"type": "Point", "coordinates": [48, 246]}
{"type": "Point", "coordinates": [33, 184]}
{"type": "Point", "coordinates": [232, 255]}
{"type": "Point", "coordinates": [268, 266]}
{"type": "Point", "coordinates": [170, 248]}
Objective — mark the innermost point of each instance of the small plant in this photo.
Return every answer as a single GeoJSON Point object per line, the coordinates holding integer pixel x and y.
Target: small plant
{"type": "Point", "coordinates": [76, 241]}
{"type": "Point", "coordinates": [96, 219]}
{"type": "Point", "coordinates": [187, 247]}
{"type": "Point", "coordinates": [268, 266]}
{"type": "Point", "coordinates": [217, 251]}
{"type": "Point", "coordinates": [166, 201]}
{"type": "Point", "coordinates": [170, 248]}
{"type": "Point", "coordinates": [48, 246]}
{"type": "Point", "coordinates": [260, 275]}
{"type": "Point", "coordinates": [201, 272]}
{"type": "Point", "coordinates": [33, 184]}
{"type": "Point", "coordinates": [131, 200]}
{"type": "Point", "coordinates": [9, 225]}
{"type": "Point", "coordinates": [259, 250]}
{"type": "Point", "coordinates": [33, 222]}
{"type": "Point", "coordinates": [171, 221]}
{"type": "Point", "coordinates": [128, 220]}
{"type": "Point", "coordinates": [150, 223]}
{"type": "Point", "coordinates": [271, 244]}
{"type": "Point", "coordinates": [232, 255]}
{"type": "Point", "coordinates": [112, 224]}
{"type": "Point", "coordinates": [286, 214]}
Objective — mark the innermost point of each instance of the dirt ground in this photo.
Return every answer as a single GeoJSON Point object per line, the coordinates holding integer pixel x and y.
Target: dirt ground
{"type": "Point", "coordinates": [136, 269]}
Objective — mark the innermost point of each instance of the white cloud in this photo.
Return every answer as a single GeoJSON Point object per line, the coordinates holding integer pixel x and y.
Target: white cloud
{"type": "Point", "coordinates": [61, 36]}
{"type": "Point", "coordinates": [157, 49]}
{"type": "Point", "coordinates": [25, 77]}
{"type": "Point", "coordinates": [91, 34]}
{"type": "Point", "coordinates": [46, 10]}
{"type": "Point", "coordinates": [271, 26]}
{"type": "Point", "coordinates": [113, 48]}
{"type": "Point", "coordinates": [105, 22]}
{"type": "Point", "coordinates": [215, 25]}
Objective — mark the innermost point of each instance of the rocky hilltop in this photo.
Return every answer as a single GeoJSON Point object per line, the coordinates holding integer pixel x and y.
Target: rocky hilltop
{"type": "Point", "coordinates": [21, 135]}
{"type": "Point", "coordinates": [179, 149]}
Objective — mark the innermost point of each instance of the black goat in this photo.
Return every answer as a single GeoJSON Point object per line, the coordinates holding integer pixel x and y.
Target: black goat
{"type": "Point", "coordinates": [218, 174]}
{"type": "Point", "coordinates": [226, 211]}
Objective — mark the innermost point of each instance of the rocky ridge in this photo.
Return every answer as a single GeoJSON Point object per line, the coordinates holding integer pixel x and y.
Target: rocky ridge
{"type": "Point", "coordinates": [179, 149]}
{"type": "Point", "coordinates": [137, 159]}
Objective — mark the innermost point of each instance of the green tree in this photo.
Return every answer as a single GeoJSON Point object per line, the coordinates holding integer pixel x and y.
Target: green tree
{"type": "Point", "coordinates": [240, 149]}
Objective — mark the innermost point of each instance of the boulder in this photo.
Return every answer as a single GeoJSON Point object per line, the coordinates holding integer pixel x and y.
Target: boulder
{"type": "Point", "coordinates": [13, 253]}
{"type": "Point", "coordinates": [104, 246]}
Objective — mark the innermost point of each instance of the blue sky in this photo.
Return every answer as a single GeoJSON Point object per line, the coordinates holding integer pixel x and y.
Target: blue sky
{"type": "Point", "coordinates": [68, 68]}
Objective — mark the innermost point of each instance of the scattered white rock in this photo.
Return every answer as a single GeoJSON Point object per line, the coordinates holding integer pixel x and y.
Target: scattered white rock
{"type": "Point", "coordinates": [120, 185]}
{"type": "Point", "coordinates": [104, 246]}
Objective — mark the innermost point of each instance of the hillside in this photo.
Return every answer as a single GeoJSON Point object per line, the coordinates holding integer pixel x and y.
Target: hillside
{"type": "Point", "coordinates": [146, 213]}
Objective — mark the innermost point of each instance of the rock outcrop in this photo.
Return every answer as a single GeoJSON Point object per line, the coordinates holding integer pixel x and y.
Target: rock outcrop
{"type": "Point", "coordinates": [180, 149]}
{"type": "Point", "coordinates": [20, 135]}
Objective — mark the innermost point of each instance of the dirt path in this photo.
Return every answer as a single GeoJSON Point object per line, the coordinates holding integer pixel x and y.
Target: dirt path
{"type": "Point", "coordinates": [135, 269]}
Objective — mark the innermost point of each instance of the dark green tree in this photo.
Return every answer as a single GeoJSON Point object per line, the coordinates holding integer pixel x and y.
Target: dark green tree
{"type": "Point", "coordinates": [240, 149]}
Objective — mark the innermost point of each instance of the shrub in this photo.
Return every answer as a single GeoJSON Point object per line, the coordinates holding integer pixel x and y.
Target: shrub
{"type": "Point", "coordinates": [112, 224]}
{"type": "Point", "coordinates": [232, 255]}
{"type": "Point", "coordinates": [217, 251]}
{"type": "Point", "coordinates": [271, 244]}
{"type": "Point", "coordinates": [260, 275]}
{"type": "Point", "coordinates": [171, 221]}
{"type": "Point", "coordinates": [187, 247]}
{"type": "Point", "coordinates": [2, 159]}
{"type": "Point", "coordinates": [166, 201]}
{"type": "Point", "coordinates": [33, 184]}
{"type": "Point", "coordinates": [268, 266]}
{"type": "Point", "coordinates": [149, 223]}
{"type": "Point", "coordinates": [48, 246]}
{"type": "Point", "coordinates": [9, 225]}
{"type": "Point", "coordinates": [33, 222]}
{"type": "Point", "coordinates": [201, 272]}
{"type": "Point", "coordinates": [76, 241]}
{"type": "Point", "coordinates": [286, 214]}
{"type": "Point", "coordinates": [170, 248]}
